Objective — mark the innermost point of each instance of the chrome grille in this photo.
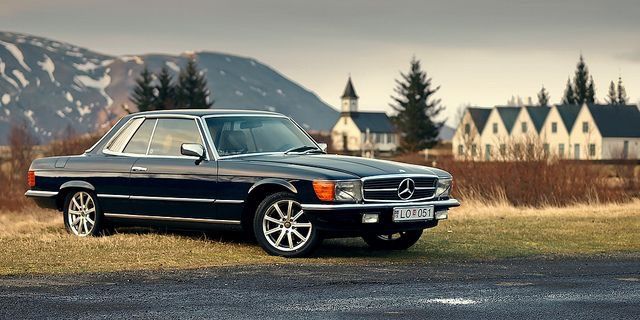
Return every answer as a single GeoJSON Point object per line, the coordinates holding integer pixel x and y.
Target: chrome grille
{"type": "Point", "coordinates": [386, 188]}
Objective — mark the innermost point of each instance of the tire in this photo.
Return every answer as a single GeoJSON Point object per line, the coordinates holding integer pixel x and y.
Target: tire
{"type": "Point", "coordinates": [82, 215]}
{"type": "Point", "coordinates": [285, 232]}
{"type": "Point", "coordinates": [396, 241]}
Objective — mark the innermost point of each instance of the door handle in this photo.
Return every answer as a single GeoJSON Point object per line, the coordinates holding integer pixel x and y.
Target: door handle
{"type": "Point", "coordinates": [138, 169]}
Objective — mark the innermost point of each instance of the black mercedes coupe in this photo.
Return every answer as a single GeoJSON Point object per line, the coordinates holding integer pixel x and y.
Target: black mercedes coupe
{"type": "Point", "coordinates": [254, 171]}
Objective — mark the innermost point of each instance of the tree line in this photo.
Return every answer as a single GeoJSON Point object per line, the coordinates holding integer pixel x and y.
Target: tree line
{"type": "Point", "coordinates": [581, 89]}
{"type": "Point", "coordinates": [161, 92]}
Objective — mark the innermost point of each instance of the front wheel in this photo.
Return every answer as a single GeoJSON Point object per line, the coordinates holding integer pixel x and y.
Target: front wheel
{"type": "Point", "coordinates": [395, 241]}
{"type": "Point", "coordinates": [282, 229]}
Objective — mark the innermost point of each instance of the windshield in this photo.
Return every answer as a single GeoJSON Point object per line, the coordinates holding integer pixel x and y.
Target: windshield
{"type": "Point", "coordinates": [255, 134]}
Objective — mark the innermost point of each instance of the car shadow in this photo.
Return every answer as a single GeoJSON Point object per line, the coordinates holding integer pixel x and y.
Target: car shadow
{"type": "Point", "coordinates": [341, 248]}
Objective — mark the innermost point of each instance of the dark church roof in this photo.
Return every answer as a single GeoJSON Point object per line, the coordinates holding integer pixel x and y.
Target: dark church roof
{"type": "Point", "coordinates": [349, 91]}
{"type": "Point", "coordinates": [376, 122]}
{"type": "Point", "coordinates": [616, 121]}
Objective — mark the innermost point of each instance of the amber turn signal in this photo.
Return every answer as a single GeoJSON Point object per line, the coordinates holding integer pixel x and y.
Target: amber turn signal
{"type": "Point", "coordinates": [31, 179]}
{"type": "Point", "coordinates": [325, 190]}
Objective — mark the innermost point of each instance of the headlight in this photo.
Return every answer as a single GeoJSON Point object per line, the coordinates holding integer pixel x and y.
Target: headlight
{"type": "Point", "coordinates": [444, 187]}
{"type": "Point", "coordinates": [341, 191]}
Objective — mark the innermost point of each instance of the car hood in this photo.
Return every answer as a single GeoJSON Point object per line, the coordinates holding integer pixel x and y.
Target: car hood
{"type": "Point", "coordinates": [360, 167]}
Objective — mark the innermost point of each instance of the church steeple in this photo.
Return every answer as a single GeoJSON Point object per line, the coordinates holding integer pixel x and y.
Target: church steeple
{"type": "Point", "coordinates": [349, 98]}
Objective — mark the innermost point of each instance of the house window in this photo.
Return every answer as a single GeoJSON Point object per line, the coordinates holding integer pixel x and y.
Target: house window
{"type": "Point", "coordinates": [592, 150]}
{"type": "Point", "coordinates": [625, 149]}
{"type": "Point", "coordinates": [524, 127]}
{"type": "Point", "coordinates": [460, 150]}
{"type": "Point", "coordinates": [554, 127]}
{"type": "Point", "coordinates": [495, 128]}
{"type": "Point", "coordinates": [585, 127]}
{"type": "Point", "coordinates": [503, 149]}
{"type": "Point", "coordinates": [474, 151]}
{"type": "Point", "coordinates": [345, 120]}
{"type": "Point", "coordinates": [392, 138]}
{"type": "Point", "coordinates": [487, 152]}
{"type": "Point", "coordinates": [545, 148]}
{"type": "Point", "coordinates": [576, 151]}
{"type": "Point", "coordinates": [467, 129]}
{"type": "Point", "coordinates": [561, 150]}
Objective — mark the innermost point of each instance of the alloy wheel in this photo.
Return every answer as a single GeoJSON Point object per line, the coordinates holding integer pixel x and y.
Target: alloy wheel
{"type": "Point", "coordinates": [285, 227]}
{"type": "Point", "coordinates": [81, 216]}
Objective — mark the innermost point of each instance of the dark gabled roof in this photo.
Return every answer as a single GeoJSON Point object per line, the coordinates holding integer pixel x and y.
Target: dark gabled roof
{"type": "Point", "coordinates": [377, 122]}
{"type": "Point", "coordinates": [349, 91]}
{"type": "Point", "coordinates": [616, 121]}
{"type": "Point", "coordinates": [479, 116]}
{"type": "Point", "coordinates": [538, 114]}
{"type": "Point", "coordinates": [508, 115]}
{"type": "Point", "coordinates": [569, 114]}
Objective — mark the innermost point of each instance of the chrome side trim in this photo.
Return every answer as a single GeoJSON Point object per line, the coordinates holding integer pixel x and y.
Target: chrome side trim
{"type": "Point", "coordinates": [174, 219]}
{"type": "Point", "coordinates": [37, 193]}
{"type": "Point", "coordinates": [439, 203]}
{"type": "Point", "coordinates": [172, 199]}
{"type": "Point", "coordinates": [201, 200]}
{"type": "Point", "coordinates": [112, 196]}
{"type": "Point", "coordinates": [229, 201]}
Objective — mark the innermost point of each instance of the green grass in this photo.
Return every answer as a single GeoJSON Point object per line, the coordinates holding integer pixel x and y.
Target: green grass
{"type": "Point", "coordinates": [34, 241]}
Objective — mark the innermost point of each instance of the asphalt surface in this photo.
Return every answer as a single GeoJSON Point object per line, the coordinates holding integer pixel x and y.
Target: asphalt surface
{"type": "Point", "coordinates": [539, 288]}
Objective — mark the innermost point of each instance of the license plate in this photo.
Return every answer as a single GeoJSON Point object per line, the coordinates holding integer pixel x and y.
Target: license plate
{"type": "Point", "coordinates": [412, 214]}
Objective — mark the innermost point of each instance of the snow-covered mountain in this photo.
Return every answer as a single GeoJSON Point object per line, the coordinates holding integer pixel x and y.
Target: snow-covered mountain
{"type": "Point", "coordinates": [51, 84]}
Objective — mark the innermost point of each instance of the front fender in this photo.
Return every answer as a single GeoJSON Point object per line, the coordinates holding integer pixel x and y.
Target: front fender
{"type": "Point", "coordinates": [274, 181]}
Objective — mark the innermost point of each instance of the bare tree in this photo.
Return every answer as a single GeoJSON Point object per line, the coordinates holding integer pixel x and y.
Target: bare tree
{"type": "Point", "coordinates": [21, 150]}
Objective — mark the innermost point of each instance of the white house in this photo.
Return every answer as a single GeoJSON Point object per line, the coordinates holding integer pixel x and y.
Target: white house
{"type": "Point", "coordinates": [365, 133]}
{"type": "Point", "coordinates": [556, 129]}
{"type": "Point", "coordinates": [467, 141]}
{"type": "Point", "coordinates": [587, 132]}
{"type": "Point", "coordinates": [606, 132]}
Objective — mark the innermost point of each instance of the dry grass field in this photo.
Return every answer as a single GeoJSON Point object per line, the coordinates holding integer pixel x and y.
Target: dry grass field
{"type": "Point", "coordinates": [34, 241]}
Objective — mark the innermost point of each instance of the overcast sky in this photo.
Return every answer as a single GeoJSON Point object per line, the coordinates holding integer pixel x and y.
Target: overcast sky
{"type": "Point", "coordinates": [479, 52]}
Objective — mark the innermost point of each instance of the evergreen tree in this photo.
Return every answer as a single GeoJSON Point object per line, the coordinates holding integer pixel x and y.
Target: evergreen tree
{"type": "Point", "coordinates": [591, 92]}
{"type": "Point", "coordinates": [569, 96]}
{"type": "Point", "coordinates": [143, 96]}
{"type": "Point", "coordinates": [166, 92]}
{"type": "Point", "coordinates": [416, 110]}
{"type": "Point", "coordinates": [543, 97]}
{"type": "Point", "coordinates": [622, 93]}
{"type": "Point", "coordinates": [612, 97]}
{"type": "Point", "coordinates": [581, 82]}
{"type": "Point", "coordinates": [191, 90]}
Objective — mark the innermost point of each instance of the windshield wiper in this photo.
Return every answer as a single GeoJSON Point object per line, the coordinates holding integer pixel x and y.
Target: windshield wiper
{"type": "Point", "coordinates": [301, 149]}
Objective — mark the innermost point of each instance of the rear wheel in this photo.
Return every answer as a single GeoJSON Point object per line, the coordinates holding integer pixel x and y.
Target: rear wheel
{"type": "Point", "coordinates": [82, 215]}
{"type": "Point", "coordinates": [282, 229]}
{"type": "Point", "coordinates": [394, 241]}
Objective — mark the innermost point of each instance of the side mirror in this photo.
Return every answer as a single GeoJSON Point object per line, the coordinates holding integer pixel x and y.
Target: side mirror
{"type": "Point", "coordinates": [323, 147]}
{"type": "Point", "coordinates": [193, 150]}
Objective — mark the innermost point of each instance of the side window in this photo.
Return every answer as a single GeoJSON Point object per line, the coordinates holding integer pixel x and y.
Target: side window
{"type": "Point", "coordinates": [170, 134]}
{"type": "Point", "coordinates": [140, 140]}
{"type": "Point", "coordinates": [117, 144]}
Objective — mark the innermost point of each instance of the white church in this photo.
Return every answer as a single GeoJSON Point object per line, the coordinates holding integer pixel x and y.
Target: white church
{"type": "Point", "coordinates": [362, 133]}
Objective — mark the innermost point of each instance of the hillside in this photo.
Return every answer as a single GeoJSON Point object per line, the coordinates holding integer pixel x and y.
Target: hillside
{"type": "Point", "coordinates": [50, 85]}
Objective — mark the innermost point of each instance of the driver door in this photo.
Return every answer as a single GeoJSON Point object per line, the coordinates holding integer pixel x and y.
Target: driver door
{"type": "Point", "coordinates": [166, 183]}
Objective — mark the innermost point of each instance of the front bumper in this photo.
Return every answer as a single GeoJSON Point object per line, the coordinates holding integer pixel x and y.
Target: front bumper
{"type": "Point", "coordinates": [346, 219]}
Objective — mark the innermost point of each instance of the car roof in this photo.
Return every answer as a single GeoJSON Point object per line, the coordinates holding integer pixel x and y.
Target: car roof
{"type": "Point", "coordinates": [206, 112]}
